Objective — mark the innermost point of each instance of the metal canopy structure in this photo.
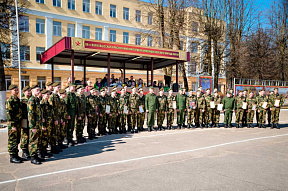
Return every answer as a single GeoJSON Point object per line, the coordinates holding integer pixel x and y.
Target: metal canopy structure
{"type": "Point", "coordinates": [94, 53]}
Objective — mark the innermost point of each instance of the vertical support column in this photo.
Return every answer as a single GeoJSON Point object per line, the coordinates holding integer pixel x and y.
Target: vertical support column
{"type": "Point", "coordinates": [108, 67]}
{"type": "Point", "coordinates": [177, 73]}
{"type": "Point", "coordinates": [52, 70]}
{"type": "Point", "coordinates": [152, 68]}
{"type": "Point", "coordinates": [124, 70]}
{"type": "Point", "coordinates": [147, 75]}
{"type": "Point", "coordinates": [72, 66]}
{"type": "Point", "coordinates": [84, 77]}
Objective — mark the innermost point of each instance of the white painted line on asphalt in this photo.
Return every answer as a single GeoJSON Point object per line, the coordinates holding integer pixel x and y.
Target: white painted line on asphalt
{"type": "Point", "coordinates": [137, 159]}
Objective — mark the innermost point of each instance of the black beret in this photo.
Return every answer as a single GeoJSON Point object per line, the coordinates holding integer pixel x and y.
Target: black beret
{"type": "Point", "coordinates": [11, 87]}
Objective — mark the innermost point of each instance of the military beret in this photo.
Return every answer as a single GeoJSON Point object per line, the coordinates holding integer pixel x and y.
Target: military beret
{"type": "Point", "coordinates": [78, 87]}
{"type": "Point", "coordinates": [114, 87]}
{"type": "Point", "coordinates": [49, 84]}
{"type": "Point", "coordinates": [198, 90]}
{"type": "Point", "coordinates": [26, 88]}
{"type": "Point", "coordinates": [113, 91]}
{"type": "Point", "coordinates": [250, 92]}
{"type": "Point", "coordinates": [44, 91]}
{"type": "Point", "coordinates": [92, 89]}
{"type": "Point", "coordinates": [262, 90]}
{"type": "Point", "coordinates": [35, 86]}
{"type": "Point", "coordinates": [56, 84]}
{"type": "Point", "coordinates": [190, 90]}
{"type": "Point", "coordinates": [240, 91]}
{"type": "Point", "coordinates": [122, 89]}
{"type": "Point", "coordinates": [62, 91]}
{"type": "Point", "coordinates": [11, 87]}
{"type": "Point", "coordinates": [66, 87]}
{"type": "Point", "coordinates": [161, 89]}
{"type": "Point", "coordinates": [275, 88]}
{"type": "Point", "coordinates": [41, 90]}
{"type": "Point", "coordinates": [140, 89]}
{"type": "Point", "coordinates": [151, 87]}
{"type": "Point", "coordinates": [72, 84]}
{"type": "Point", "coordinates": [102, 90]}
{"type": "Point", "coordinates": [207, 89]}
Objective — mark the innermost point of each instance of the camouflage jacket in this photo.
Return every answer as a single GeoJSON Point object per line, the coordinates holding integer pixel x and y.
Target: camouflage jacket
{"type": "Point", "coordinates": [35, 113]}
{"type": "Point", "coordinates": [141, 101]}
{"type": "Point", "coordinates": [240, 101]}
{"type": "Point", "coordinates": [24, 110]}
{"type": "Point", "coordinates": [217, 100]}
{"type": "Point", "coordinates": [55, 101]}
{"type": "Point", "coordinates": [250, 102]}
{"type": "Point", "coordinates": [13, 109]}
{"type": "Point", "coordinates": [170, 100]}
{"type": "Point", "coordinates": [260, 100]}
{"type": "Point", "coordinates": [47, 113]}
{"type": "Point", "coordinates": [114, 104]}
{"type": "Point", "coordinates": [208, 98]}
{"type": "Point", "coordinates": [81, 105]}
{"type": "Point", "coordinates": [102, 102]}
{"type": "Point", "coordinates": [91, 104]}
{"type": "Point", "coordinates": [133, 101]}
{"type": "Point", "coordinates": [71, 103]}
{"type": "Point", "coordinates": [275, 97]}
{"type": "Point", "coordinates": [201, 102]}
{"type": "Point", "coordinates": [64, 109]}
{"type": "Point", "coordinates": [191, 102]}
{"type": "Point", "coordinates": [123, 101]}
{"type": "Point", "coordinates": [162, 103]}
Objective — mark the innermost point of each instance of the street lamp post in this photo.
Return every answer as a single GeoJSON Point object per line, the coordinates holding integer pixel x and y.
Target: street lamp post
{"type": "Point", "coordinates": [18, 47]}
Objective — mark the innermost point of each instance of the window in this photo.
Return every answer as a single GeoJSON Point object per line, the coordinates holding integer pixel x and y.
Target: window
{"type": "Point", "coordinates": [113, 11]}
{"type": "Point", "coordinates": [112, 35]}
{"type": "Point", "coordinates": [39, 51]}
{"type": "Point", "coordinates": [150, 18]}
{"type": "Point", "coordinates": [149, 41]}
{"type": "Point", "coordinates": [195, 27]}
{"type": "Point", "coordinates": [86, 6]}
{"type": "Point", "coordinates": [40, 26]}
{"type": "Point", "coordinates": [57, 79]}
{"type": "Point", "coordinates": [138, 39]}
{"type": "Point", "coordinates": [138, 16]}
{"type": "Point", "coordinates": [192, 67]}
{"type": "Point", "coordinates": [194, 86]}
{"type": "Point", "coordinates": [160, 42]}
{"type": "Point", "coordinates": [5, 49]}
{"type": "Point", "coordinates": [56, 28]}
{"type": "Point", "coordinates": [7, 81]}
{"type": "Point", "coordinates": [57, 3]}
{"type": "Point", "coordinates": [98, 8]}
{"type": "Point", "coordinates": [24, 53]}
{"type": "Point", "coordinates": [194, 47]}
{"type": "Point", "coordinates": [71, 30]}
{"type": "Point", "coordinates": [181, 45]}
{"type": "Point", "coordinates": [41, 81]}
{"type": "Point", "coordinates": [98, 33]}
{"type": "Point", "coordinates": [125, 13]}
{"type": "Point", "coordinates": [125, 37]}
{"type": "Point", "coordinates": [39, 1]}
{"type": "Point", "coordinates": [71, 4]}
{"type": "Point", "coordinates": [24, 81]}
{"type": "Point", "coordinates": [86, 32]}
{"type": "Point", "coordinates": [24, 24]}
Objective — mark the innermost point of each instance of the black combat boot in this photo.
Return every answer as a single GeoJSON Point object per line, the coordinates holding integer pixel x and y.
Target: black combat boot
{"type": "Point", "coordinates": [277, 126]}
{"type": "Point", "coordinates": [225, 126]}
{"type": "Point", "coordinates": [35, 160]}
{"type": "Point", "coordinates": [42, 157]}
{"type": "Point", "coordinates": [179, 126]}
{"type": "Point", "coordinates": [217, 125]}
{"type": "Point", "coordinates": [248, 125]}
{"type": "Point", "coordinates": [136, 130]}
{"type": "Point", "coordinates": [269, 125]}
{"type": "Point", "coordinates": [230, 125]}
{"type": "Point", "coordinates": [210, 125]}
{"type": "Point", "coordinates": [272, 126]}
{"type": "Point", "coordinates": [149, 129]}
{"type": "Point", "coordinates": [240, 125]}
{"type": "Point", "coordinates": [183, 125]}
{"type": "Point", "coordinates": [15, 159]}
{"type": "Point", "coordinates": [237, 126]}
{"type": "Point", "coordinates": [132, 130]}
{"type": "Point", "coordinates": [54, 150]}
{"type": "Point", "coordinates": [26, 155]}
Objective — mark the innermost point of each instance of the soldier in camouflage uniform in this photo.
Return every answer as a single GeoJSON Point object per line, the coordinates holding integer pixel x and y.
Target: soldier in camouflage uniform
{"type": "Point", "coordinates": [128, 115]}
{"type": "Point", "coordinates": [81, 114]}
{"type": "Point", "coordinates": [49, 86]}
{"type": "Point", "coordinates": [114, 109]}
{"type": "Point", "coordinates": [191, 109]}
{"type": "Point", "coordinates": [91, 113]}
{"type": "Point", "coordinates": [101, 108]}
{"type": "Point", "coordinates": [269, 96]}
{"type": "Point", "coordinates": [14, 116]}
{"type": "Point", "coordinates": [244, 119]}
{"type": "Point", "coordinates": [133, 109]}
{"type": "Point", "coordinates": [251, 102]}
{"type": "Point", "coordinates": [208, 112]}
{"type": "Point", "coordinates": [275, 109]}
{"type": "Point", "coordinates": [261, 99]}
{"type": "Point", "coordinates": [123, 103]}
{"type": "Point", "coordinates": [35, 124]}
{"type": "Point", "coordinates": [151, 106]}
{"type": "Point", "coordinates": [72, 110]}
{"type": "Point", "coordinates": [25, 130]}
{"type": "Point", "coordinates": [162, 109]}
{"type": "Point", "coordinates": [181, 108]}
{"type": "Point", "coordinates": [65, 119]}
{"type": "Point", "coordinates": [95, 118]}
{"type": "Point", "coordinates": [200, 109]}
{"type": "Point", "coordinates": [170, 109]}
{"type": "Point", "coordinates": [141, 116]}
{"type": "Point", "coordinates": [215, 111]}
{"type": "Point", "coordinates": [240, 99]}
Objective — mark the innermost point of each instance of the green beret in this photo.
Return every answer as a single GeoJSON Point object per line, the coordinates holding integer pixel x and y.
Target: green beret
{"type": "Point", "coordinates": [11, 87]}
{"type": "Point", "coordinates": [72, 84]}
{"type": "Point", "coordinates": [207, 89]}
{"type": "Point", "coordinates": [161, 89]}
{"type": "Point", "coordinates": [35, 86]}
{"type": "Point", "coordinates": [62, 91]}
{"type": "Point", "coordinates": [240, 91]}
{"type": "Point", "coordinates": [102, 90]}
{"type": "Point", "coordinates": [140, 89]}
{"type": "Point", "coordinates": [26, 88]}
{"type": "Point", "coordinates": [114, 87]}
{"type": "Point", "coordinates": [151, 87]}
{"type": "Point", "coordinates": [49, 84]}
{"type": "Point", "coordinates": [79, 86]}
{"type": "Point", "coordinates": [56, 84]}
{"type": "Point", "coordinates": [66, 87]}
{"type": "Point", "coordinates": [262, 90]}
{"type": "Point", "coordinates": [133, 87]}
{"type": "Point", "coordinates": [44, 91]}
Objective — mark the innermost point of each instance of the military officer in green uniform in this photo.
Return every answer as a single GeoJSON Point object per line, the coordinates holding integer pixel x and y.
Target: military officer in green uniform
{"type": "Point", "coordinates": [240, 100]}
{"type": "Point", "coordinates": [72, 110]}
{"type": "Point", "coordinates": [151, 106]}
{"type": "Point", "coordinates": [171, 106]}
{"type": "Point", "coordinates": [133, 109]}
{"type": "Point", "coordinates": [141, 114]}
{"type": "Point", "coordinates": [81, 114]}
{"type": "Point", "coordinates": [229, 105]}
{"type": "Point", "coordinates": [208, 112]}
{"type": "Point", "coordinates": [276, 103]}
{"type": "Point", "coordinates": [200, 109]}
{"type": "Point", "coordinates": [162, 109]}
{"type": "Point", "coordinates": [215, 111]}
{"type": "Point", "coordinates": [14, 116]}
{"type": "Point", "coordinates": [96, 116]}
{"type": "Point", "coordinates": [123, 111]}
{"type": "Point", "coordinates": [262, 105]}
{"type": "Point", "coordinates": [191, 109]}
{"type": "Point", "coordinates": [25, 126]}
{"type": "Point", "coordinates": [114, 108]}
{"type": "Point", "coordinates": [65, 119]}
{"type": "Point", "coordinates": [101, 108]}
{"type": "Point", "coordinates": [35, 124]}
{"type": "Point", "coordinates": [251, 107]}
{"type": "Point", "coordinates": [181, 108]}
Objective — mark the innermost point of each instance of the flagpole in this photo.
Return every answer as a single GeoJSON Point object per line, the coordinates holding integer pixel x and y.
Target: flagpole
{"type": "Point", "coordinates": [18, 47]}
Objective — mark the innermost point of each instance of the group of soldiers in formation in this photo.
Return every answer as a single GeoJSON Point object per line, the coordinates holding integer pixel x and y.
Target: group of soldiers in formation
{"type": "Point", "coordinates": [43, 121]}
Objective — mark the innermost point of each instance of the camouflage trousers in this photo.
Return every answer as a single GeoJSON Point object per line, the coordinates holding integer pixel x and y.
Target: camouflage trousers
{"type": "Point", "coordinates": [250, 116]}
{"type": "Point", "coordinates": [160, 117]}
{"type": "Point", "coordinates": [13, 137]}
{"type": "Point", "coordinates": [63, 131]}
{"type": "Point", "coordinates": [191, 116]}
{"type": "Point", "coordinates": [56, 131]}
{"type": "Point", "coordinates": [151, 118]}
{"type": "Point", "coordinates": [275, 114]}
{"type": "Point", "coordinates": [133, 118]}
{"type": "Point", "coordinates": [170, 116]}
{"type": "Point", "coordinates": [140, 119]}
{"type": "Point", "coordinates": [70, 127]}
{"type": "Point", "coordinates": [102, 123]}
{"type": "Point", "coordinates": [228, 117]}
{"type": "Point", "coordinates": [92, 123]}
{"type": "Point", "coordinates": [80, 125]}
{"type": "Point", "coordinates": [112, 120]}
{"type": "Point", "coordinates": [200, 116]}
{"type": "Point", "coordinates": [215, 116]}
{"type": "Point", "coordinates": [181, 116]}
{"type": "Point", "coordinates": [45, 137]}
{"type": "Point", "coordinates": [208, 115]}
{"type": "Point", "coordinates": [122, 120]}
{"type": "Point", "coordinates": [34, 142]}
{"type": "Point", "coordinates": [24, 138]}
{"type": "Point", "coordinates": [262, 116]}
{"type": "Point", "coordinates": [239, 115]}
